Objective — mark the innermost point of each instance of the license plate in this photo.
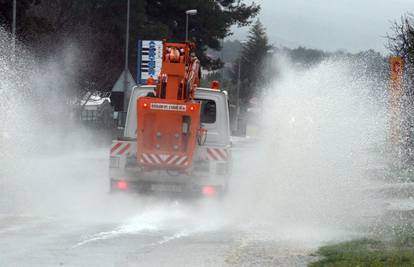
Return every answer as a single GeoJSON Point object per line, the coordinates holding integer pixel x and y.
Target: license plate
{"type": "Point", "coordinates": [114, 162]}
{"type": "Point", "coordinates": [166, 188]}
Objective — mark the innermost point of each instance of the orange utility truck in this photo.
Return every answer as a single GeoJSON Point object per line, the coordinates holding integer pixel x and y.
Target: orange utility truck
{"type": "Point", "coordinates": [177, 135]}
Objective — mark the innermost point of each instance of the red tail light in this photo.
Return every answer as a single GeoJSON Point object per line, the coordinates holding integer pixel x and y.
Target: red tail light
{"type": "Point", "coordinates": [215, 85]}
{"type": "Point", "coordinates": [209, 190]}
{"type": "Point", "coordinates": [145, 105]}
{"type": "Point", "coordinates": [192, 108]}
{"type": "Point", "coordinates": [123, 185]}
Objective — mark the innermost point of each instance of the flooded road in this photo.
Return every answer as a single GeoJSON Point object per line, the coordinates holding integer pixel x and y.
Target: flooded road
{"type": "Point", "coordinates": [41, 242]}
{"type": "Point", "coordinates": [67, 219]}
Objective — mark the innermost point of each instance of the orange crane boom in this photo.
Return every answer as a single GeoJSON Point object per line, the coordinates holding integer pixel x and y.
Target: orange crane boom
{"type": "Point", "coordinates": [169, 121]}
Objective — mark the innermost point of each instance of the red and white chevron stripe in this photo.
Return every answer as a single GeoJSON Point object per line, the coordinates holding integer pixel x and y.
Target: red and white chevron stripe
{"type": "Point", "coordinates": [121, 148]}
{"type": "Point", "coordinates": [216, 154]}
{"type": "Point", "coordinates": [164, 159]}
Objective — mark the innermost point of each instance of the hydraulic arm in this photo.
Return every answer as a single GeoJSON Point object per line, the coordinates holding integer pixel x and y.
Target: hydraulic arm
{"type": "Point", "coordinates": [169, 119]}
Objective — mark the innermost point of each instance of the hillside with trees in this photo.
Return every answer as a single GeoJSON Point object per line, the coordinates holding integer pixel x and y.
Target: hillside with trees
{"type": "Point", "coordinates": [258, 68]}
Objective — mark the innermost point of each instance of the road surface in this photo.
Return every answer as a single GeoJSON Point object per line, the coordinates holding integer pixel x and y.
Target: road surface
{"type": "Point", "coordinates": [31, 241]}
{"type": "Point", "coordinates": [55, 211]}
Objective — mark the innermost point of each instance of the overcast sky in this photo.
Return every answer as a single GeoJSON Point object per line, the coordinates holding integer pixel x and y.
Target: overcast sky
{"type": "Point", "coordinates": [352, 25]}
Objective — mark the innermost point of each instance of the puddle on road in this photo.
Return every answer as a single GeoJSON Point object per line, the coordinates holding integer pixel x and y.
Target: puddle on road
{"type": "Point", "coordinates": [168, 220]}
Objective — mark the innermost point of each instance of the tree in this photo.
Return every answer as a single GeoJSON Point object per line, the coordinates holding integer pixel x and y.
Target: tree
{"type": "Point", "coordinates": [401, 43]}
{"type": "Point", "coordinates": [22, 6]}
{"type": "Point", "coordinates": [306, 56]}
{"type": "Point", "coordinates": [98, 29]}
{"type": "Point", "coordinates": [229, 51]}
{"type": "Point", "coordinates": [208, 28]}
{"type": "Point", "coordinates": [253, 63]}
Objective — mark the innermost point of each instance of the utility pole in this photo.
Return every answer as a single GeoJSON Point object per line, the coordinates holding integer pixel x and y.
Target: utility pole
{"type": "Point", "coordinates": [242, 43]}
{"type": "Point", "coordinates": [126, 70]}
{"type": "Point", "coordinates": [238, 97]}
{"type": "Point", "coordinates": [14, 29]}
{"type": "Point", "coordinates": [127, 36]}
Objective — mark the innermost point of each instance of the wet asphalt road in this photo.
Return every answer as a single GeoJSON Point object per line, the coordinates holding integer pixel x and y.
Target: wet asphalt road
{"type": "Point", "coordinates": [55, 211]}
{"type": "Point", "coordinates": [42, 242]}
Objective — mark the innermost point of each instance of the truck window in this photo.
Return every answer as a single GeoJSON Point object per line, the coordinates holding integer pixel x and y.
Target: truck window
{"type": "Point", "coordinates": [208, 111]}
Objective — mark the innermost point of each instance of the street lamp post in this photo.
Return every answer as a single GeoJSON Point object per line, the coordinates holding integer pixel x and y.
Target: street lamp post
{"type": "Point", "coordinates": [238, 97]}
{"type": "Point", "coordinates": [14, 28]}
{"type": "Point", "coordinates": [190, 12]}
{"type": "Point", "coordinates": [238, 91]}
{"type": "Point", "coordinates": [126, 70]}
{"type": "Point", "coordinates": [127, 37]}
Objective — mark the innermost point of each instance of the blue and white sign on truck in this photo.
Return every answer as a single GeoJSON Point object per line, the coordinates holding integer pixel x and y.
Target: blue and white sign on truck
{"type": "Point", "coordinates": [149, 60]}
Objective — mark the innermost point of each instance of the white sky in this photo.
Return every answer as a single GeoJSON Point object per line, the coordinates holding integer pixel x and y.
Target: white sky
{"type": "Point", "coordinates": [352, 25]}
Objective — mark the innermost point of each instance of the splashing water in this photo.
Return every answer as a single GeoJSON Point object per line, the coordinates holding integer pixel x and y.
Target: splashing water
{"type": "Point", "coordinates": [36, 127]}
{"type": "Point", "coordinates": [309, 177]}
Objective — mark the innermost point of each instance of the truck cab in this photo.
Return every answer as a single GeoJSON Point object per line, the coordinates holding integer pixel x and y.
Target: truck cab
{"type": "Point", "coordinates": [211, 164]}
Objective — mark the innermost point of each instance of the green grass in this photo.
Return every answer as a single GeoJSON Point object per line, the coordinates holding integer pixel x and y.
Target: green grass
{"type": "Point", "coordinates": [367, 252]}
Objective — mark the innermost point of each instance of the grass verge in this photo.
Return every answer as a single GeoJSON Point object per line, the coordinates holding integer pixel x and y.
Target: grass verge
{"type": "Point", "coordinates": [368, 252]}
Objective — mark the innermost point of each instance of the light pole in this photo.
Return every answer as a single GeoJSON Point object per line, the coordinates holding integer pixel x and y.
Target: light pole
{"type": "Point", "coordinates": [126, 71]}
{"type": "Point", "coordinates": [14, 28]}
{"type": "Point", "coordinates": [238, 97]}
{"type": "Point", "coordinates": [238, 89]}
{"type": "Point", "coordinates": [127, 37]}
{"type": "Point", "coordinates": [190, 12]}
